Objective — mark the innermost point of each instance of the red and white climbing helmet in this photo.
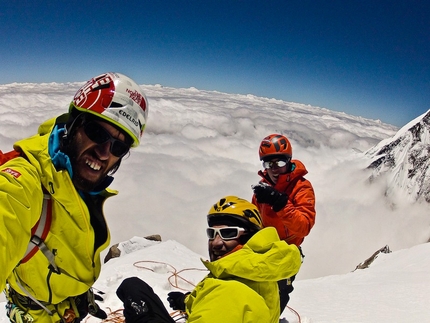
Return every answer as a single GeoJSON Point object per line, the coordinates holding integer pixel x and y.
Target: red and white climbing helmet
{"type": "Point", "coordinates": [117, 99]}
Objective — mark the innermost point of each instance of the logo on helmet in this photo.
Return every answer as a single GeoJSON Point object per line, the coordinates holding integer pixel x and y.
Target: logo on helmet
{"type": "Point", "coordinates": [129, 117]}
{"type": "Point", "coordinates": [88, 96]}
{"type": "Point", "coordinates": [222, 206]}
{"type": "Point", "coordinates": [138, 98]}
{"type": "Point", "coordinates": [279, 143]}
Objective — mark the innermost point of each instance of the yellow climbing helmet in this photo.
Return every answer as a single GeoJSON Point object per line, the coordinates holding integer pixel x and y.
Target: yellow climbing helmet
{"type": "Point", "coordinates": [232, 210]}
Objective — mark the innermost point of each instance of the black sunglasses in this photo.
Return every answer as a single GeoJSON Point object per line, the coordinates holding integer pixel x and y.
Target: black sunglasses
{"type": "Point", "coordinates": [98, 134]}
{"type": "Point", "coordinates": [227, 233]}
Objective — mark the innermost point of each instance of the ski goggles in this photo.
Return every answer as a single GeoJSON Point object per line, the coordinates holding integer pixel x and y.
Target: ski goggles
{"type": "Point", "coordinates": [277, 163]}
{"type": "Point", "coordinates": [98, 134]}
{"type": "Point", "coordinates": [226, 233]}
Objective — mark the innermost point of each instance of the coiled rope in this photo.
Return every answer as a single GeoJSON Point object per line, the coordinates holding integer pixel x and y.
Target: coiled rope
{"type": "Point", "coordinates": [117, 315]}
{"type": "Point", "coordinates": [173, 278]}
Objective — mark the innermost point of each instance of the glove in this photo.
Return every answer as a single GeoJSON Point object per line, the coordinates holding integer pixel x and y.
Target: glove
{"type": "Point", "coordinates": [177, 300]}
{"type": "Point", "coordinates": [94, 308]}
{"type": "Point", "coordinates": [96, 311]}
{"type": "Point", "coordinates": [86, 304]}
{"type": "Point", "coordinates": [129, 292]}
{"type": "Point", "coordinates": [141, 304]}
{"type": "Point", "coordinates": [266, 194]}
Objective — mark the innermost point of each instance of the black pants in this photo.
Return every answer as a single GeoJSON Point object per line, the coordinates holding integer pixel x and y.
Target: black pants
{"type": "Point", "coordinates": [285, 288]}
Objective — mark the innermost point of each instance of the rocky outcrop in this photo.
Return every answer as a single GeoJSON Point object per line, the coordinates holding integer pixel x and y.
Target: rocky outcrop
{"type": "Point", "coordinates": [115, 252]}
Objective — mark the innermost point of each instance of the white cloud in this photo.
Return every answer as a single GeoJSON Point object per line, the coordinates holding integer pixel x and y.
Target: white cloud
{"type": "Point", "coordinates": [201, 145]}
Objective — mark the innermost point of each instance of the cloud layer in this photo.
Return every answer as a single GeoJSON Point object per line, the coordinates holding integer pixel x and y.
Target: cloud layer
{"type": "Point", "coordinates": [202, 145]}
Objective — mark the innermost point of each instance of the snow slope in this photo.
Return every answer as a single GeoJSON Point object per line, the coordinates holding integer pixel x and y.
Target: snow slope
{"type": "Point", "coordinates": [394, 288]}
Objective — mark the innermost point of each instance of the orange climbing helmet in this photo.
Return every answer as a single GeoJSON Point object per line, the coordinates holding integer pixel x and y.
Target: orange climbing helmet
{"type": "Point", "coordinates": [275, 145]}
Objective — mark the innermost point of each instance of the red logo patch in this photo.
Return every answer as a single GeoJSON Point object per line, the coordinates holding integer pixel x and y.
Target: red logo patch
{"type": "Point", "coordinates": [12, 172]}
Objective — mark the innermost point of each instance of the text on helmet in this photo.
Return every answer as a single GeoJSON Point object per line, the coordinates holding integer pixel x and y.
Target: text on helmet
{"type": "Point", "coordinates": [129, 117]}
{"type": "Point", "coordinates": [138, 98]}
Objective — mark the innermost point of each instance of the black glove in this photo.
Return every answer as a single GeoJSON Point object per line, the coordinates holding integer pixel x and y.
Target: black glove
{"type": "Point", "coordinates": [141, 304]}
{"type": "Point", "coordinates": [177, 300]}
{"type": "Point", "coordinates": [86, 304]}
{"type": "Point", "coordinates": [266, 194]}
{"type": "Point", "coordinates": [130, 294]}
{"type": "Point", "coordinates": [96, 311]}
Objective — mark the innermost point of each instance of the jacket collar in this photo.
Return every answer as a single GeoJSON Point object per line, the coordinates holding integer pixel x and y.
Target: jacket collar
{"type": "Point", "coordinates": [62, 161]}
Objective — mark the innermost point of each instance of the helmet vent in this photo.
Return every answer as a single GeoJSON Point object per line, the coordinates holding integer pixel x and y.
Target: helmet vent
{"type": "Point", "coordinates": [116, 105]}
{"type": "Point", "coordinates": [102, 86]}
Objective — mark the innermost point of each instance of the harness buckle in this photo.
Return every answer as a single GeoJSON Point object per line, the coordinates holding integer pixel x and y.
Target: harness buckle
{"type": "Point", "coordinates": [36, 240]}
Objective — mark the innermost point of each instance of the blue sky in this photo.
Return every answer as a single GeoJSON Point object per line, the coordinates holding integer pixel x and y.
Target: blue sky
{"type": "Point", "coordinates": [368, 58]}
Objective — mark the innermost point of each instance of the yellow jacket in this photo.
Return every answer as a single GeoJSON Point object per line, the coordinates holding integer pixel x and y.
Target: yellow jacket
{"type": "Point", "coordinates": [72, 235]}
{"type": "Point", "coordinates": [242, 286]}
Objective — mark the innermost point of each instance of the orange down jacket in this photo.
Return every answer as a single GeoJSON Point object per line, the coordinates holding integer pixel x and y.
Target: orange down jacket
{"type": "Point", "coordinates": [296, 219]}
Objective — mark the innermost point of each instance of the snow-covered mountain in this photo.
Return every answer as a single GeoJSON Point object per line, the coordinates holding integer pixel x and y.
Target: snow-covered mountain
{"type": "Point", "coordinates": [403, 160]}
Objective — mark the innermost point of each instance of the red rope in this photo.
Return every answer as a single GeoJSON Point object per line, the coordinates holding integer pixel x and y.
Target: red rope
{"type": "Point", "coordinates": [295, 312]}
{"type": "Point", "coordinates": [174, 272]}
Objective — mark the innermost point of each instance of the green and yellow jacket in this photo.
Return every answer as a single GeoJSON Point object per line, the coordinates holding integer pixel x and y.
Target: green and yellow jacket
{"type": "Point", "coordinates": [242, 286]}
{"type": "Point", "coordinates": [77, 235]}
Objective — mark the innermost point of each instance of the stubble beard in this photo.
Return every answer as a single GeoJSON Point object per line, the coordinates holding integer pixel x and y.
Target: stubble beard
{"type": "Point", "coordinates": [80, 182]}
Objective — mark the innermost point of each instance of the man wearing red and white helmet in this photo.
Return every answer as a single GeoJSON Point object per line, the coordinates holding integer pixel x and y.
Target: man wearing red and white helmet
{"type": "Point", "coordinates": [70, 161]}
{"type": "Point", "coordinates": [285, 199]}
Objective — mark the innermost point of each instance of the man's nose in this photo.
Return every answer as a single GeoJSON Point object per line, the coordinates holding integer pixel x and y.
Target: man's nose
{"type": "Point", "coordinates": [103, 150]}
{"type": "Point", "coordinates": [217, 240]}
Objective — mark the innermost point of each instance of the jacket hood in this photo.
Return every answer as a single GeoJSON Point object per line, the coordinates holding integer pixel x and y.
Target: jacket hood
{"type": "Point", "coordinates": [263, 258]}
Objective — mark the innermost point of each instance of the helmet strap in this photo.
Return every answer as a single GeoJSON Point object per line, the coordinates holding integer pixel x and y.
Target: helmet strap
{"type": "Point", "coordinates": [69, 127]}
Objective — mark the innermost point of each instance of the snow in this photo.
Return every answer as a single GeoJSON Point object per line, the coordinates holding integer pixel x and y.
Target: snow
{"type": "Point", "coordinates": [394, 288]}
{"type": "Point", "coordinates": [202, 145]}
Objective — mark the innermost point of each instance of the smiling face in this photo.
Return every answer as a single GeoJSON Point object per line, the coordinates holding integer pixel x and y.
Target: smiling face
{"type": "Point", "coordinates": [218, 247]}
{"type": "Point", "coordinates": [91, 162]}
{"type": "Point", "coordinates": [274, 171]}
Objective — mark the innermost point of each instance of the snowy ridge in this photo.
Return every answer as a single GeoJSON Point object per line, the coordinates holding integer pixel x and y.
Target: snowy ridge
{"type": "Point", "coordinates": [394, 288]}
{"type": "Point", "coordinates": [404, 159]}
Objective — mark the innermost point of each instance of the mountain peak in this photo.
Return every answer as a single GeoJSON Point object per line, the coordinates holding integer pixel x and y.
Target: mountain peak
{"type": "Point", "coordinates": [403, 160]}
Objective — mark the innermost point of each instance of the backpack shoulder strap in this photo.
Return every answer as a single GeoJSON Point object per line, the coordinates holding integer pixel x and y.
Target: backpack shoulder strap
{"type": "Point", "coordinates": [43, 225]}
{"type": "Point", "coordinates": [39, 233]}
{"type": "Point", "coordinates": [4, 157]}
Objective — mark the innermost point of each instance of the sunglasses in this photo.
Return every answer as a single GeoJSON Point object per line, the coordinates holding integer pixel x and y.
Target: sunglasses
{"type": "Point", "coordinates": [278, 163]}
{"type": "Point", "coordinates": [227, 233]}
{"type": "Point", "coordinates": [98, 134]}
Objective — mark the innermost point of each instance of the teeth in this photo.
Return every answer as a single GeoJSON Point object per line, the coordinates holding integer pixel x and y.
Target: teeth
{"type": "Point", "coordinates": [93, 165]}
